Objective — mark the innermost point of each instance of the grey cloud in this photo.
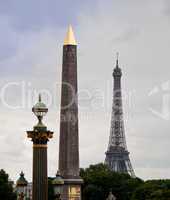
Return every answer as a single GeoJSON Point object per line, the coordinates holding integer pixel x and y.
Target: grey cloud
{"type": "Point", "coordinates": [166, 9]}
{"type": "Point", "coordinates": [127, 35]}
{"type": "Point", "coordinates": [144, 58]}
{"type": "Point", "coordinates": [34, 15]}
{"type": "Point", "coordinates": [8, 40]}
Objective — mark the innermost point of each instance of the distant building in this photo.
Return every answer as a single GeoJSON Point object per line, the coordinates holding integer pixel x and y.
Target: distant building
{"type": "Point", "coordinates": [23, 188]}
{"type": "Point", "coordinates": [117, 155]}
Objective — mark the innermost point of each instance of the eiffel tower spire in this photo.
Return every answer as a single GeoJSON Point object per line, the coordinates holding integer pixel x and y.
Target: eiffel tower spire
{"type": "Point", "coordinates": [117, 155]}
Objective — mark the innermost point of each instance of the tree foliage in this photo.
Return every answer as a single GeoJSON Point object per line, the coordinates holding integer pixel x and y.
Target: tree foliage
{"type": "Point", "coordinates": [6, 189]}
{"type": "Point", "coordinates": [153, 190]}
{"type": "Point", "coordinates": [50, 189]}
{"type": "Point", "coordinates": [99, 180]}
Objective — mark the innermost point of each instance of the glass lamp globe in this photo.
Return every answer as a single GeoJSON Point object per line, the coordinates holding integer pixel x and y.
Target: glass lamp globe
{"type": "Point", "coordinates": [40, 110]}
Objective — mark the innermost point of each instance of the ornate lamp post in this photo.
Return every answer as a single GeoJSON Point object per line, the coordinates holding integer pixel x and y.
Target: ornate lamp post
{"type": "Point", "coordinates": [21, 186]}
{"type": "Point", "coordinates": [58, 183]}
{"type": "Point", "coordinates": [40, 136]}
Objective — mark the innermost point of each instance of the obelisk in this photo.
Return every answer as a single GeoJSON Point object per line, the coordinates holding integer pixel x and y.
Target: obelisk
{"type": "Point", "coordinates": [69, 131]}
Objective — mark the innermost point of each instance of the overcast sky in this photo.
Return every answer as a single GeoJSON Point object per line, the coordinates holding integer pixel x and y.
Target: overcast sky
{"type": "Point", "coordinates": [32, 34]}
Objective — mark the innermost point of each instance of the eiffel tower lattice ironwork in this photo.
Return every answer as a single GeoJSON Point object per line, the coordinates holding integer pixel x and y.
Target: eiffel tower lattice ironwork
{"type": "Point", "coordinates": [117, 155]}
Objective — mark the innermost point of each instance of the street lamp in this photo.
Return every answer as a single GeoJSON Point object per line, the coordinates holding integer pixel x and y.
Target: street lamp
{"type": "Point", "coordinates": [40, 137]}
{"type": "Point", "coordinates": [21, 186]}
{"type": "Point", "coordinates": [58, 183]}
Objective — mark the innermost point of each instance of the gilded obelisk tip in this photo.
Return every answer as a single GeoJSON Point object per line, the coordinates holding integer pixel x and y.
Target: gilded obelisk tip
{"type": "Point", "coordinates": [70, 39]}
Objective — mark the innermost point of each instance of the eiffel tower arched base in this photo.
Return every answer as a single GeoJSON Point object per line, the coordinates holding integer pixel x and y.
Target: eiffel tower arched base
{"type": "Point", "coordinates": [118, 160]}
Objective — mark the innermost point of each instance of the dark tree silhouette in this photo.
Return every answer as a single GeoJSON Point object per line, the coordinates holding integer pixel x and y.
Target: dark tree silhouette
{"type": "Point", "coordinates": [99, 181]}
{"type": "Point", "coordinates": [6, 189]}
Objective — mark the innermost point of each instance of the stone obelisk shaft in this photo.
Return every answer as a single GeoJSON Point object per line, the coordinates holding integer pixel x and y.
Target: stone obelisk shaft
{"type": "Point", "coordinates": [69, 131]}
{"type": "Point", "coordinates": [69, 141]}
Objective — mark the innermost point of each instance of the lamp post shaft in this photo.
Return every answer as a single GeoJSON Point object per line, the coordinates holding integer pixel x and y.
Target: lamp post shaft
{"type": "Point", "coordinates": [40, 180]}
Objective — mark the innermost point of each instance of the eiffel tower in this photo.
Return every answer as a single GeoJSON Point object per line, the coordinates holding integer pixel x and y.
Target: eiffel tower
{"type": "Point", "coordinates": [117, 155]}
